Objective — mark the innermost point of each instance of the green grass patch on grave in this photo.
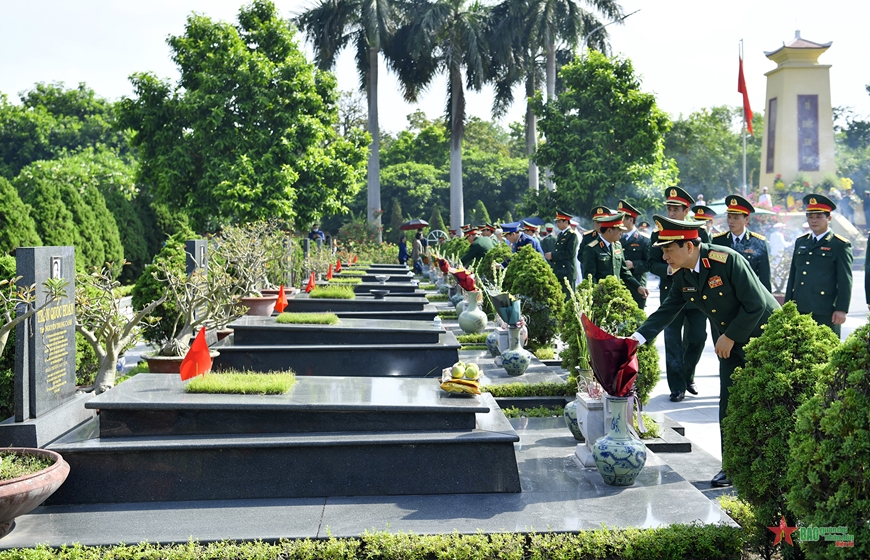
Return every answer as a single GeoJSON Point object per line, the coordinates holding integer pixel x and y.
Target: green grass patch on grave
{"type": "Point", "coordinates": [353, 272]}
{"type": "Point", "coordinates": [653, 429]}
{"type": "Point", "coordinates": [332, 292]}
{"type": "Point", "coordinates": [307, 318]}
{"type": "Point", "coordinates": [536, 412]}
{"type": "Point", "coordinates": [14, 465]}
{"type": "Point", "coordinates": [542, 389]}
{"type": "Point", "coordinates": [473, 338]}
{"type": "Point", "coordinates": [243, 383]}
{"type": "Point", "coordinates": [545, 353]}
{"type": "Point", "coordinates": [436, 297]}
{"type": "Point", "coordinates": [428, 287]}
{"type": "Point", "coordinates": [345, 280]}
{"type": "Point", "coordinates": [448, 315]}
{"type": "Point", "coordinates": [474, 346]}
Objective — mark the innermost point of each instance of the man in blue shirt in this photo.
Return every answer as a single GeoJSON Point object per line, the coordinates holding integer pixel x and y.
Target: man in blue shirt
{"type": "Point", "coordinates": [519, 239]}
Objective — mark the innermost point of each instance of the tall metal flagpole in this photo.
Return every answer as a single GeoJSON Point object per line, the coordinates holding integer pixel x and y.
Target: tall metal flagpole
{"type": "Point", "coordinates": [744, 129]}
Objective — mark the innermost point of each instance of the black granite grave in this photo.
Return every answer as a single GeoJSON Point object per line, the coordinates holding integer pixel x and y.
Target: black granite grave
{"type": "Point", "coordinates": [303, 303]}
{"type": "Point", "coordinates": [46, 403]}
{"type": "Point", "coordinates": [338, 436]}
{"type": "Point", "coordinates": [367, 287]}
{"type": "Point", "coordinates": [373, 277]}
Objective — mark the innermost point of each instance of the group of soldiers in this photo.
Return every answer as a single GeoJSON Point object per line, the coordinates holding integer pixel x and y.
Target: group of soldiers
{"type": "Point", "coordinates": [724, 280]}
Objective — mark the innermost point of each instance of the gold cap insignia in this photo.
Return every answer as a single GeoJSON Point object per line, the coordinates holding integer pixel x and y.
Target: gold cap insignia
{"type": "Point", "coordinates": [599, 211]}
{"type": "Point", "coordinates": [620, 204]}
{"type": "Point", "coordinates": [659, 225]}
{"type": "Point", "coordinates": [733, 202]}
{"type": "Point", "coordinates": [813, 201]}
{"type": "Point", "coordinates": [673, 192]}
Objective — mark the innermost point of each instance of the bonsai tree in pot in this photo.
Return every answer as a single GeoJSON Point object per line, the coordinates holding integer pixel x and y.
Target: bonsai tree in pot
{"type": "Point", "coordinates": [27, 478]}
{"type": "Point", "coordinates": [101, 321]}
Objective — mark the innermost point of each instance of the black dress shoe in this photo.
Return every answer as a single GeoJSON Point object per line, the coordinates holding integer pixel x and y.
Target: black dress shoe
{"type": "Point", "coordinates": [692, 389]}
{"type": "Point", "coordinates": [677, 397]}
{"type": "Point", "coordinates": [720, 480]}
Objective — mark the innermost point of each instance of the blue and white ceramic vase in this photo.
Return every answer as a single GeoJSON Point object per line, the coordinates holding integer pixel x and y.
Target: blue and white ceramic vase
{"type": "Point", "coordinates": [492, 344]}
{"type": "Point", "coordinates": [618, 455]}
{"type": "Point", "coordinates": [457, 297]}
{"type": "Point", "coordinates": [472, 319]}
{"type": "Point", "coordinates": [516, 359]}
{"type": "Point", "coordinates": [571, 420]}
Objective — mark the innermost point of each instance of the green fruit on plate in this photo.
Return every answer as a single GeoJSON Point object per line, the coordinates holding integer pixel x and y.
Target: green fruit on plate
{"type": "Point", "coordinates": [457, 371]}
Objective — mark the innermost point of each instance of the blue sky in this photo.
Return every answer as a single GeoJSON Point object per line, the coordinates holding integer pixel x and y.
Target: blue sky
{"type": "Point", "coordinates": [685, 50]}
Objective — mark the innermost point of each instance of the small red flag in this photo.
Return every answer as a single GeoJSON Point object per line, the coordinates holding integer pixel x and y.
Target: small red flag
{"type": "Point", "coordinates": [741, 88]}
{"type": "Point", "coordinates": [338, 265]}
{"type": "Point", "coordinates": [355, 259]}
{"type": "Point", "coordinates": [198, 360]}
{"type": "Point", "coordinates": [281, 304]}
{"type": "Point", "coordinates": [329, 273]}
{"type": "Point", "coordinates": [310, 285]}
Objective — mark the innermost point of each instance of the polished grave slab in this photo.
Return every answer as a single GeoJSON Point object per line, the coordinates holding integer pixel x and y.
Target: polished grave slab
{"type": "Point", "coordinates": [326, 437]}
{"type": "Point", "coordinates": [304, 303]}
{"type": "Point", "coordinates": [266, 330]}
{"type": "Point", "coordinates": [557, 495]}
{"type": "Point", "coordinates": [366, 287]}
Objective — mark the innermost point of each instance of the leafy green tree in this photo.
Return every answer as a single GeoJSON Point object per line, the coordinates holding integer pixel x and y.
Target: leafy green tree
{"type": "Point", "coordinates": [69, 182]}
{"type": "Point", "coordinates": [495, 179]}
{"type": "Point", "coordinates": [413, 185]}
{"type": "Point", "coordinates": [430, 145]}
{"type": "Point", "coordinates": [249, 131]}
{"type": "Point", "coordinates": [51, 121]}
{"type": "Point", "coordinates": [708, 150]}
{"type": "Point", "coordinates": [529, 277]}
{"type": "Point", "coordinates": [396, 221]}
{"type": "Point", "coordinates": [436, 221]}
{"type": "Point", "coordinates": [782, 368]}
{"type": "Point", "coordinates": [852, 148]}
{"type": "Point", "coordinates": [17, 228]}
{"type": "Point", "coordinates": [478, 214]}
{"type": "Point", "coordinates": [605, 136]}
{"type": "Point", "coordinates": [367, 26]}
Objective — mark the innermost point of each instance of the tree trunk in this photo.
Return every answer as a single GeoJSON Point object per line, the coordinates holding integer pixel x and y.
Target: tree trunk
{"type": "Point", "coordinates": [108, 371]}
{"type": "Point", "coordinates": [457, 213]}
{"type": "Point", "coordinates": [374, 170]}
{"type": "Point", "coordinates": [551, 96]}
{"type": "Point", "coordinates": [531, 132]}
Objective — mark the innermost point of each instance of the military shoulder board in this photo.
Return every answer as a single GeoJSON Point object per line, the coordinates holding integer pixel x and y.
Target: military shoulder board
{"type": "Point", "coordinates": [721, 234]}
{"type": "Point", "coordinates": [841, 238]}
{"type": "Point", "coordinates": [758, 235]}
{"type": "Point", "coordinates": [718, 256]}
{"type": "Point", "coordinates": [594, 243]}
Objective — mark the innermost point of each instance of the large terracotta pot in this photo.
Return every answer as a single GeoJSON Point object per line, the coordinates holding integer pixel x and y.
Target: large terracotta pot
{"type": "Point", "coordinates": [261, 306]}
{"type": "Point", "coordinates": [21, 495]}
{"type": "Point", "coordinates": [170, 364]}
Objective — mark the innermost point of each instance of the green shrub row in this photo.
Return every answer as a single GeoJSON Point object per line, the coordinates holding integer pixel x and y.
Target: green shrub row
{"type": "Point", "coordinates": [711, 542]}
{"type": "Point", "coordinates": [543, 389]}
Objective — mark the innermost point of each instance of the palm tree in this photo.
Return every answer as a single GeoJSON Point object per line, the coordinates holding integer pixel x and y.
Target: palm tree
{"type": "Point", "coordinates": [447, 36]}
{"type": "Point", "coordinates": [534, 28]}
{"type": "Point", "coordinates": [367, 25]}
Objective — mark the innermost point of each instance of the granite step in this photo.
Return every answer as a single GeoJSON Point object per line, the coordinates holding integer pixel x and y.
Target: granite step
{"type": "Point", "coordinates": [251, 330]}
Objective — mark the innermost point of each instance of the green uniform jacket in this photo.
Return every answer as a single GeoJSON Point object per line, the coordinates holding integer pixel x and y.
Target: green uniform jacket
{"type": "Point", "coordinates": [657, 265]}
{"type": "Point", "coordinates": [754, 249]}
{"type": "Point", "coordinates": [635, 247]}
{"type": "Point", "coordinates": [820, 279]}
{"type": "Point", "coordinates": [564, 249]}
{"type": "Point", "coordinates": [726, 290]}
{"type": "Point", "coordinates": [548, 243]}
{"type": "Point", "coordinates": [477, 250]}
{"type": "Point", "coordinates": [601, 261]}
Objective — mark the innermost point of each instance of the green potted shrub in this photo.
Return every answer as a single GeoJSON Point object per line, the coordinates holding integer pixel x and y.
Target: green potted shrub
{"type": "Point", "coordinates": [829, 451]}
{"type": "Point", "coordinates": [531, 279]}
{"type": "Point", "coordinates": [249, 253]}
{"type": "Point", "coordinates": [782, 368]}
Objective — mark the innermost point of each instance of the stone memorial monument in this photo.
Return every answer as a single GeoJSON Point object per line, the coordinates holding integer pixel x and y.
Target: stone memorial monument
{"type": "Point", "coordinates": [46, 402]}
{"type": "Point", "coordinates": [197, 255]}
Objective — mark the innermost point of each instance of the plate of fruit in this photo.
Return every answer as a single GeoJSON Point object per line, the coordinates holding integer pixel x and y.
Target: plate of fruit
{"type": "Point", "coordinates": [461, 380]}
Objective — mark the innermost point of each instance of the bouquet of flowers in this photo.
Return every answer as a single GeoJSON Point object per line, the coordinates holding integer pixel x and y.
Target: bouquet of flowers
{"type": "Point", "coordinates": [614, 359]}
{"type": "Point", "coordinates": [465, 279]}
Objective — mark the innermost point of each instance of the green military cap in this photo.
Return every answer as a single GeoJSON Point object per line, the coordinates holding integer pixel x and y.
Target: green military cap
{"type": "Point", "coordinates": [549, 227]}
{"type": "Point", "coordinates": [703, 212]}
{"type": "Point", "coordinates": [818, 203]}
{"type": "Point", "coordinates": [612, 221]}
{"type": "Point", "coordinates": [624, 206]}
{"type": "Point", "coordinates": [678, 196]}
{"type": "Point", "coordinates": [738, 205]}
{"type": "Point", "coordinates": [601, 211]}
{"type": "Point", "coordinates": [675, 230]}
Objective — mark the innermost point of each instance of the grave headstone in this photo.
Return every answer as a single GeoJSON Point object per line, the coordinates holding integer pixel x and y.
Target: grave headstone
{"type": "Point", "coordinates": [46, 403]}
{"type": "Point", "coordinates": [197, 255]}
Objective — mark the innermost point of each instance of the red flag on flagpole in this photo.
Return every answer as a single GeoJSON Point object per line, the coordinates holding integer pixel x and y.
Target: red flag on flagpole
{"type": "Point", "coordinates": [741, 88]}
{"type": "Point", "coordinates": [338, 265]}
{"type": "Point", "coordinates": [329, 273]}
{"type": "Point", "coordinates": [198, 360]}
{"type": "Point", "coordinates": [310, 285]}
{"type": "Point", "coordinates": [281, 304]}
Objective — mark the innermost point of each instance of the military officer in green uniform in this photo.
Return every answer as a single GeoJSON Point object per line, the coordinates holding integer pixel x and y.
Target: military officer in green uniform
{"type": "Point", "coordinates": [685, 337]}
{"type": "Point", "coordinates": [721, 285]}
{"type": "Point", "coordinates": [479, 246]}
{"type": "Point", "coordinates": [561, 257]}
{"type": "Point", "coordinates": [603, 256]}
{"type": "Point", "coordinates": [704, 214]}
{"type": "Point", "coordinates": [635, 247]}
{"type": "Point", "coordinates": [588, 236]}
{"type": "Point", "coordinates": [820, 279]}
{"type": "Point", "coordinates": [548, 241]}
{"type": "Point", "coordinates": [753, 246]}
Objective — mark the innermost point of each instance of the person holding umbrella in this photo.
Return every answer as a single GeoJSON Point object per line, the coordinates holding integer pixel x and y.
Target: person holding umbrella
{"type": "Point", "coordinates": [417, 253]}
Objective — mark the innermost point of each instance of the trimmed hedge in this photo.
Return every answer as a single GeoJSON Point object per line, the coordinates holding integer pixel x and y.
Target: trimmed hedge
{"type": "Point", "coordinates": [675, 542]}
